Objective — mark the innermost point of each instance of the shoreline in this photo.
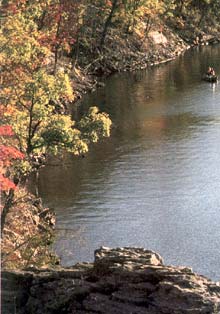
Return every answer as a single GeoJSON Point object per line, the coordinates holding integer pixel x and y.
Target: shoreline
{"type": "Point", "coordinates": [164, 47]}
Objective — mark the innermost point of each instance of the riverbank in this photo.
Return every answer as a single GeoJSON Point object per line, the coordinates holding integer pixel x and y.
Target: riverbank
{"type": "Point", "coordinates": [122, 280]}
{"type": "Point", "coordinates": [28, 234]}
{"type": "Point", "coordinates": [139, 50]}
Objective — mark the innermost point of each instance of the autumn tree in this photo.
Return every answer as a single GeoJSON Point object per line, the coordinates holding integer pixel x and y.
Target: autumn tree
{"type": "Point", "coordinates": [60, 19]}
{"type": "Point", "coordinates": [131, 8]}
{"type": "Point", "coordinates": [113, 6]}
{"type": "Point", "coordinates": [8, 154]}
{"type": "Point", "coordinates": [35, 94]}
{"type": "Point", "coordinates": [202, 8]}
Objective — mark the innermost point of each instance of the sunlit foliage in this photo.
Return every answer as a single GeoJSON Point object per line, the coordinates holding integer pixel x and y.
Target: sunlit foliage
{"type": "Point", "coordinates": [34, 92]}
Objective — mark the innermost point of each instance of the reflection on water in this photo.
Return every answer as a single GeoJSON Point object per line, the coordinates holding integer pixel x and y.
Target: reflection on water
{"type": "Point", "coordinates": [156, 182]}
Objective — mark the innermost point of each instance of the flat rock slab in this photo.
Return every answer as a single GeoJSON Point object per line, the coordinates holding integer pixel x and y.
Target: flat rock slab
{"type": "Point", "coordinates": [158, 37]}
{"type": "Point", "coordinates": [120, 281]}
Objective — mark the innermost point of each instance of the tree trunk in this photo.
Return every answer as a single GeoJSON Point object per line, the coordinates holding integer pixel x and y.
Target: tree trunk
{"type": "Point", "coordinates": [108, 23]}
{"type": "Point", "coordinates": [203, 14]}
{"type": "Point", "coordinates": [76, 52]}
{"type": "Point", "coordinates": [6, 208]}
{"type": "Point", "coordinates": [55, 60]}
{"type": "Point", "coordinates": [57, 45]}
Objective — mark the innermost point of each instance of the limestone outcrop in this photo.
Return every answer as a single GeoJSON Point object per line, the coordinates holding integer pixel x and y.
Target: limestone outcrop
{"type": "Point", "coordinates": [120, 281]}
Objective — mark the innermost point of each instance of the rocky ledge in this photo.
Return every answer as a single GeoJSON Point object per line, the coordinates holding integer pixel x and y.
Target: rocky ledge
{"type": "Point", "coordinates": [120, 281]}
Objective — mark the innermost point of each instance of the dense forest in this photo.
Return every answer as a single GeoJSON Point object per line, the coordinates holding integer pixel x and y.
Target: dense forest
{"type": "Point", "coordinates": [46, 47]}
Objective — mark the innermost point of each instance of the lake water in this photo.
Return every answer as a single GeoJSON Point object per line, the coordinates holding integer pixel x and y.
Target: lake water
{"type": "Point", "coordinates": [156, 182]}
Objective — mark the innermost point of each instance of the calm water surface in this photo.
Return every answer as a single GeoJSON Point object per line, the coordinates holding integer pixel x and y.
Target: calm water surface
{"type": "Point", "coordinates": [156, 182]}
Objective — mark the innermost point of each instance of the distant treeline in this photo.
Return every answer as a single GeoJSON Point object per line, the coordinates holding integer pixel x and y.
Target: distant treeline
{"type": "Point", "coordinates": [76, 24]}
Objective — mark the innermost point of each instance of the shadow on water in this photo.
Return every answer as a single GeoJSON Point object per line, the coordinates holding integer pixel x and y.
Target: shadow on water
{"type": "Point", "coordinates": [156, 182]}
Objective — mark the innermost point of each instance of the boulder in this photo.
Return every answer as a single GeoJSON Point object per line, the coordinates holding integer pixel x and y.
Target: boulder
{"type": "Point", "coordinates": [120, 281]}
{"type": "Point", "coordinates": [157, 37]}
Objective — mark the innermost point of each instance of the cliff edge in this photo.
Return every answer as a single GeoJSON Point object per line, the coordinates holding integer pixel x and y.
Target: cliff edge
{"type": "Point", "coordinates": [120, 281]}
